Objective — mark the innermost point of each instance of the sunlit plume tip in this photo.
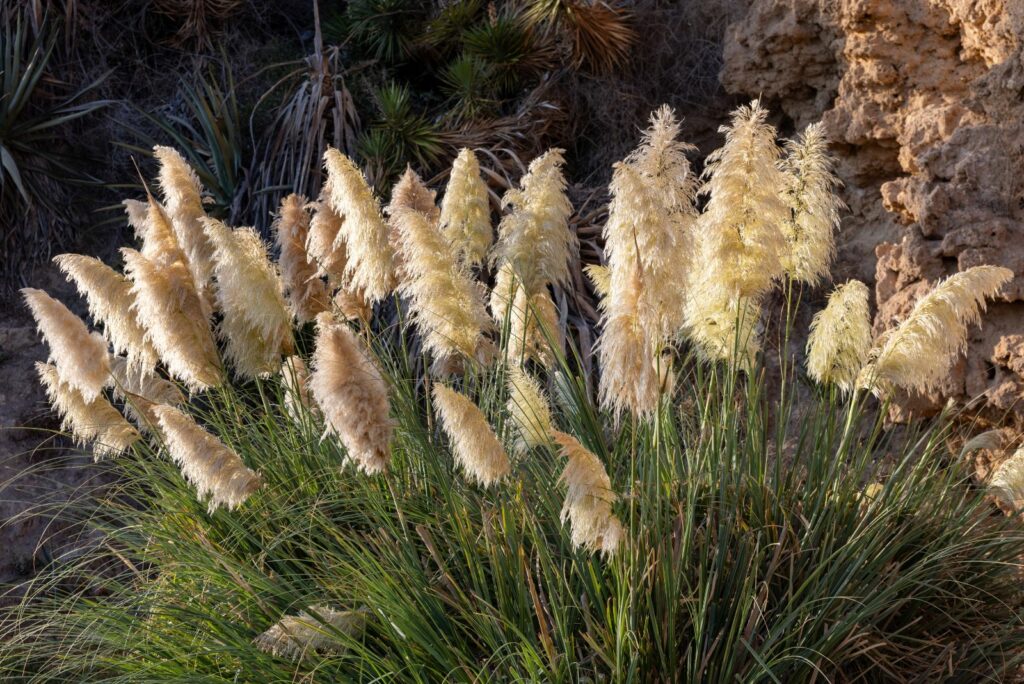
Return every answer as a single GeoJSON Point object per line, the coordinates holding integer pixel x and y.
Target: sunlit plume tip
{"type": "Point", "coordinates": [588, 499]}
{"type": "Point", "coordinates": [840, 337]}
{"type": "Point", "coordinates": [474, 444]}
{"type": "Point", "coordinates": [466, 210]}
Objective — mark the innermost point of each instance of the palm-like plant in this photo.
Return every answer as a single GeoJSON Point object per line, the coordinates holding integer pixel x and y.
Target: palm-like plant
{"type": "Point", "coordinates": [510, 49]}
{"type": "Point", "coordinates": [400, 132]}
{"type": "Point", "coordinates": [389, 29]}
{"type": "Point", "coordinates": [600, 34]}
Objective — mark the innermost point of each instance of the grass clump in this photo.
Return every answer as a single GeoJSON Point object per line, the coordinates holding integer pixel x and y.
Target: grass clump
{"type": "Point", "coordinates": [402, 511]}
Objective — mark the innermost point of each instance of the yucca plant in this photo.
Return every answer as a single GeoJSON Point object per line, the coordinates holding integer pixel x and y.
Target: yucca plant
{"type": "Point", "coordinates": [389, 29]}
{"type": "Point", "coordinates": [399, 134]}
{"type": "Point", "coordinates": [600, 34]}
{"type": "Point", "coordinates": [35, 165]}
{"type": "Point", "coordinates": [434, 496]}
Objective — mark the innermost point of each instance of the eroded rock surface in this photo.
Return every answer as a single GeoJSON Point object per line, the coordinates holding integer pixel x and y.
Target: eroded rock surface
{"type": "Point", "coordinates": [924, 100]}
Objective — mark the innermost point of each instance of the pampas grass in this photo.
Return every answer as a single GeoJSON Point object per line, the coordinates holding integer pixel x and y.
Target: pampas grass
{"type": "Point", "coordinates": [296, 635]}
{"type": "Point", "coordinates": [840, 337]}
{"type": "Point", "coordinates": [142, 392]}
{"type": "Point", "coordinates": [352, 394]}
{"type": "Point", "coordinates": [183, 198]}
{"type": "Point", "coordinates": [466, 211]}
{"type": "Point", "coordinates": [80, 356]}
{"type": "Point", "coordinates": [476, 447]}
{"type": "Point", "coordinates": [588, 498]}
{"type": "Point", "coordinates": [307, 294]}
{"type": "Point", "coordinates": [528, 410]}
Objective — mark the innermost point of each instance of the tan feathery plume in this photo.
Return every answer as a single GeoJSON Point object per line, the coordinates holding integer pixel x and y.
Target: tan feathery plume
{"type": "Point", "coordinates": [466, 211]}
{"type": "Point", "coordinates": [111, 302]}
{"type": "Point", "coordinates": [307, 294]}
{"type": "Point", "coordinates": [138, 214]}
{"type": "Point", "coordinates": [206, 462]}
{"type": "Point", "coordinates": [324, 245]}
{"type": "Point", "coordinates": [530, 319]}
{"type": "Point", "coordinates": [534, 238]}
{"type": "Point", "coordinates": [1007, 481]}
{"type": "Point", "coordinates": [743, 242]}
{"type": "Point", "coordinates": [589, 499]}
{"type": "Point", "coordinates": [183, 198]}
{"type": "Point", "coordinates": [81, 357]}
{"type": "Point", "coordinates": [159, 243]}
{"type": "Point", "coordinates": [295, 635]}
{"type": "Point", "coordinates": [352, 395]}
{"type": "Point", "coordinates": [408, 195]}
{"type": "Point", "coordinates": [649, 244]}
{"type": "Point", "coordinates": [476, 447]}
{"type": "Point", "coordinates": [840, 337]}
{"type": "Point", "coordinates": [170, 310]}
{"type": "Point", "coordinates": [295, 381]}
{"type": "Point", "coordinates": [447, 303]}
{"type": "Point", "coordinates": [722, 326]}
{"type": "Point", "coordinates": [528, 408]}
{"type": "Point", "coordinates": [813, 206]}
{"type": "Point", "coordinates": [919, 352]}
{"type": "Point", "coordinates": [371, 257]}
{"type": "Point", "coordinates": [600, 278]}
{"type": "Point", "coordinates": [141, 391]}
{"type": "Point", "coordinates": [257, 325]}
{"type": "Point", "coordinates": [93, 421]}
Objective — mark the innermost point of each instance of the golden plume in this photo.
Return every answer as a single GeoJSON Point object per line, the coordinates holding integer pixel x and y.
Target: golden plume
{"type": "Point", "coordinates": [1007, 481]}
{"type": "Point", "coordinates": [141, 391]}
{"type": "Point", "coordinates": [323, 243]}
{"type": "Point", "coordinates": [476, 447]}
{"type": "Point", "coordinates": [182, 194]}
{"type": "Point", "coordinates": [527, 320]}
{"type": "Point", "coordinates": [649, 244]}
{"type": "Point", "coordinates": [528, 408]}
{"type": "Point", "coordinates": [293, 636]}
{"type": "Point", "coordinates": [352, 395]}
{"type": "Point", "coordinates": [723, 327]}
{"type": "Point", "coordinates": [257, 325]}
{"type": "Point", "coordinates": [295, 382]}
{"type": "Point", "coordinates": [447, 302]}
{"type": "Point", "coordinates": [742, 243]}
{"type": "Point", "coordinates": [206, 462]}
{"type": "Point", "coordinates": [600, 278]}
{"type": "Point", "coordinates": [170, 310]}
{"type": "Point", "coordinates": [919, 352]}
{"type": "Point", "coordinates": [534, 238]}
{"type": "Point", "coordinates": [111, 302]}
{"type": "Point", "coordinates": [307, 294]}
{"type": "Point", "coordinates": [371, 257]}
{"type": "Point", "coordinates": [93, 421]}
{"type": "Point", "coordinates": [813, 207]}
{"type": "Point", "coordinates": [588, 499]}
{"type": "Point", "coordinates": [840, 337]}
{"type": "Point", "coordinates": [408, 195]}
{"type": "Point", "coordinates": [81, 357]}
{"type": "Point", "coordinates": [466, 211]}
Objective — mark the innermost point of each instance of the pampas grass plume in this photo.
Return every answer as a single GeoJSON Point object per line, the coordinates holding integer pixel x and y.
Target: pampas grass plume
{"type": "Point", "coordinates": [210, 466]}
{"type": "Point", "coordinates": [307, 294]}
{"type": "Point", "coordinates": [111, 302]}
{"type": "Point", "coordinates": [918, 353]}
{"type": "Point", "coordinates": [171, 312]}
{"type": "Point", "coordinates": [475, 446]}
{"type": "Point", "coordinates": [588, 499]}
{"type": "Point", "coordinates": [371, 257]}
{"type": "Point", "coordinates": [182, 194]}
{"type": "Point", "coordinates": [528, 408]}
{"type": "Point", "coordinates": [142, 391]}
{"type": "Point", "coordinates": [352, 395]}
{"type": "Point", "coordinates": [840, 337]}
{"type": "Point", "coordinates": [297, 397]}
{"type": "Point", "coordinates": [256, 324]}
{"type": "Point", "coordinates": [323, 244]}
{"type": "Point", "coordinates": [93, 420]}
{"type": "Point", "coordinates": [1007, 481]}
{"type": "Point", "coordinates": [81, 357]}
{"type": "Point", "coordinates": [466, 210]}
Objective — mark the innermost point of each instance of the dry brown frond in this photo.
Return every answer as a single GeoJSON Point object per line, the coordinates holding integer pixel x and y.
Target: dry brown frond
{"type": "Point", "coordinates": [813, 205]}
{"type": "Point", "coordinates": [93, 421]}
{"type": "Point", "coordinates": [206, 462]}
{"type": "Point", "coordinates": [371, 257]}
{"type": "Point", "coordinates": [588, 499]}
{"type": "Point", "coordinates": [476, 447]}
{"type": "Point", "coordinates": [295, 635]}
{"type": "Point", "coordinates": [600, 35]}
{"type": "Point", "coordinates": [81, 357]}
{"type": "Point", "coordinates": [111, 302]}
{"type": "Point", "coordinates": [307, 294]}
{"type": "Point", "coordinates": [919, 352]}
{"type": "Point", "coordinates": [352, 395]}
{"type": "Point", "coordinates": [840, 337]}
{"type": "Point", "coordinates": [466, 210]}
{"type": "Point", "coordinates": [257, 325]}
{"type": "Point", "coordinates": [174, 319]}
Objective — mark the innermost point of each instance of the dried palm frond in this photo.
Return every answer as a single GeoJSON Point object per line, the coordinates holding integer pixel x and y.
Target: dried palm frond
{"type": "Point", "coordinates": [813, 205]}
{"type": "Point", "coordinates": [476, 447]}
{"type": "Point", "coordinates": [198, 20]}
{"type": "Point", "coordinates": [840, 337]}
{"type": "Point", "coordinates": [111, 302]}
{"type": "Point", "coordinates": [588, 499]}
{"type": "Point", "coordinates": [352, 394]}
{"type": "Point", "coordinates": [81, 357]}
{"type": "Point", "coordinates": [295, 635]}
{"type": "Point", "coordinates": [206, 462]}
{"type": "Point", "coordinates": [307, 294]}
{"type": "Point", "coordinates": [91, 421]}
{"type": "Point", "coordinates": [919, 352]}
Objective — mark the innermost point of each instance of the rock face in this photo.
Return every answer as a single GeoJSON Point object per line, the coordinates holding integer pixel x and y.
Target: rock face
{"type": "Point", "coordinates": [924, 101]}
